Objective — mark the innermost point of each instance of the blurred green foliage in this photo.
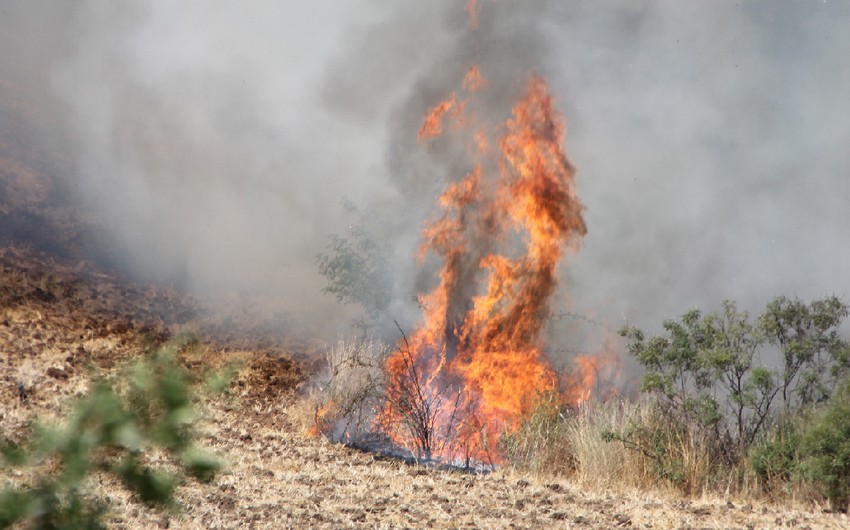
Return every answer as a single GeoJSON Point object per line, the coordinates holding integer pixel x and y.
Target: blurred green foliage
{"type": "Point", "coordinates": [150, 406]}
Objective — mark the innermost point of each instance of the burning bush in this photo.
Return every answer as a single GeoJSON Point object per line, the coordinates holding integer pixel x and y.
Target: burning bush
{"type": "Point", "coordinates": [471, 370]}
{"type": "Point", "coordinates": [476, 361]}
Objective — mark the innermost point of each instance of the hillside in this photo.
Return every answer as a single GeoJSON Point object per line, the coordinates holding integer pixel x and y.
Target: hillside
{"type": "Point", "coordinates": [67, 317]}
{"type": "Point", "coordinates": [60, 324]}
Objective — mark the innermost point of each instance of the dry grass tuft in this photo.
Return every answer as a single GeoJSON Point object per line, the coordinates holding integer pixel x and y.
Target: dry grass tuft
{"type": "Point", "coordinates": [347, 395]}
{"type": "Point", "coordinates": [599, 463]}
{"type": "Point", "coordinates": [603, 444]}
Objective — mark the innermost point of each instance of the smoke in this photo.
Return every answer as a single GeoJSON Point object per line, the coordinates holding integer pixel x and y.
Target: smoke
{"type": "Point", "coordinates": [708, 142]}
{"type": "Point", "coordinates": [200, 140]}
{"type": "Point", "coordinates": [217, 141]}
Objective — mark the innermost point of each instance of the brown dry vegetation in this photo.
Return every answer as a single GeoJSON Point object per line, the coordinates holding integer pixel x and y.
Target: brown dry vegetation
{"type": "Point", "coordinates": [61, 324]}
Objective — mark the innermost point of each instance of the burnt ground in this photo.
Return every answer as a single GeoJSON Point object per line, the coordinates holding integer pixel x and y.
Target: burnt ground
{"type": "Point", "coordinates": [61, 322]}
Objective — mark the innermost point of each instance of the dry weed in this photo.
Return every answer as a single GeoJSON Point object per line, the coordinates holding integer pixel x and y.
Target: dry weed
{"type": "Point", "coordinates": [343, 403]}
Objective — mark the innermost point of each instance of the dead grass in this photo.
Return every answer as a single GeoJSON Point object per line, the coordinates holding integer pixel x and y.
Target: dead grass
{"type": "Point", "coordinates": [343, 399]}
{"type": "Point", "coordinates": [601, 464]}
{"type": "Point", "coordinates": [279, 478]}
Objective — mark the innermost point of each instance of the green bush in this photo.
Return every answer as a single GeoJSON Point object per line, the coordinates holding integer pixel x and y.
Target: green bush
{"type": "Point", "coordinates": [705, 372]}
{"type": "Point", "coordinates": [824, 450]}
{"type": "Point", "coordinates": [110, 430]}
{"type": "Point", "coordinates": [774, 459]}
{"type": "Point", "coordinates": [357, 271]}
{"type": "Point", "coordinates": [814, 448]}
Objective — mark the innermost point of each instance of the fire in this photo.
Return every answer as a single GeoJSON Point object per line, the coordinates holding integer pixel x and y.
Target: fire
{"type": "Point", "coordinates": [474, 81]}
{"type": "Point", "coordinates": [475, 365]}
{"type": "Point", "coordinates": [589, 373]}
{"type": "Point", "coordinates": [433, 125]}
{"type": "Point", "coordinates": [472, 10]}
{"type": "Point", "coordinates": [320, 419]}
{"type": "Point", "coordinates": [451, 107]}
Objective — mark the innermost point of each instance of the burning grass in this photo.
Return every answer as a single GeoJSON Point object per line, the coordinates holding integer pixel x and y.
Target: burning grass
{"type": "Point", "coordinates": [344, 402]}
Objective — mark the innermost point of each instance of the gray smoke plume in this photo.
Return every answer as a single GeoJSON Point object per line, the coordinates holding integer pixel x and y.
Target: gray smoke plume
{"type": "Point", "coordinates": [220, 141]}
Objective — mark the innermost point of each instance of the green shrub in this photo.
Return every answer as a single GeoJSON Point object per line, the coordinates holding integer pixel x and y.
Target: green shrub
{"type": "Point", "coordinates": [109, 430]}
{"type": "Point", "coordinates": [704, 369]}
{"type": "Point", "coordinates": [774, 459]}
{"type": "Point", "coordinates": [824, 450]}
{"type": "Point", "coordinates": [357, 272]}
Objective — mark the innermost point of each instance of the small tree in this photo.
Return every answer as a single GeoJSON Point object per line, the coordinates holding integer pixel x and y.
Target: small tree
{"type": "Point", "coordinates": [704, 369]}
{"type": "Point", "coordinates": [814, 356]}
{"type": "Point", "coordinates": [748, 390]}
{"type": "Point", "coordinates": [357, 268]}
{"type": "Point", "coordinates": [677, 369]}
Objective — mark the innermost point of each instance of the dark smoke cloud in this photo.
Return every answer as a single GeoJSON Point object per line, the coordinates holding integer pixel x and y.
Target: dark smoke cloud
{"type": "Point", "coordinates": [217, 140]}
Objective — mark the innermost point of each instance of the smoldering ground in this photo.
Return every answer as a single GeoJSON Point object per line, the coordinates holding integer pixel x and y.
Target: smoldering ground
{"type": "Point", "coordinates": [217, 143]}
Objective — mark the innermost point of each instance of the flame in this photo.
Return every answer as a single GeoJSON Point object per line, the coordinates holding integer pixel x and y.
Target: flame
{"type": "Point", "coordinates": [451, 108]}
{"type": "Point", "coordinates": [474, 366]}
{"type": "Point", "coordinates": [433, 125]}
{"type": "Point", "coordinates": [474, 81]}
{"type": "Point", "coordinates": [593, 374]}
{"type": "Point", "coordinates": [321, 421]}
{"type": "Point", "coordinates": [472, 10]}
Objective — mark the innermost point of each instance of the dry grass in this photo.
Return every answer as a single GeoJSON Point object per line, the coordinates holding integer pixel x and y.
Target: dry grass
{"type": "Point", "coordinates": [343, 399]}
{"type": "Point", "coordinates": [655, 455]}
{"type": "Point", "coordinates": [279, 478]}
{"type": "Point", "coordinates": [601, 464]}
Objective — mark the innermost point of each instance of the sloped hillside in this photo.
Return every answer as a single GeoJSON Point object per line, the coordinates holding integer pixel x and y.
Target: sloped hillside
{"type": "Point", "coordinates": [60, 324]}
{"type": "Point", "coordinates": [65, 319]}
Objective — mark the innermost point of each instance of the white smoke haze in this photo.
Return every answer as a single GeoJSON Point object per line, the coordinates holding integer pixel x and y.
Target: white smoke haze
{"type": "Point", "coordinates": [708, 141]}
{"type": "Point", "coordinates": [217, 140]}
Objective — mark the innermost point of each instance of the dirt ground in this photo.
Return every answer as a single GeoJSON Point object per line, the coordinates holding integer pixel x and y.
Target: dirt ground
{"type": "Point", "coordinates": [61, 322]}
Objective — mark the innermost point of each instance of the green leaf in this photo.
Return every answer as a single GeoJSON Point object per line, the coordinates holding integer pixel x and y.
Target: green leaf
{"type": "Point", "coordinates": [14, 505]}
{"type": "Point", "coordinates": [217, 381]}
{"type": "Point", "coordinates": [129, 436]}
{"type": "Point", "coordinates": [153, 487]}
{"type": "Point", "coordinates": [201, 464]}
{"type": "Point", "coordinates": [13, 454]}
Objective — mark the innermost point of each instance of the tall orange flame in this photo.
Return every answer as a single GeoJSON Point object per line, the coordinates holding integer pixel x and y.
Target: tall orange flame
{"type": "Point", "coordinates": [475, 363]}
